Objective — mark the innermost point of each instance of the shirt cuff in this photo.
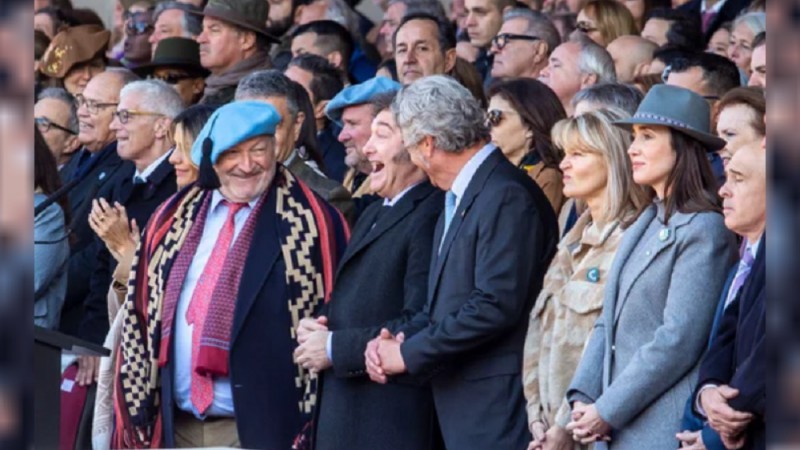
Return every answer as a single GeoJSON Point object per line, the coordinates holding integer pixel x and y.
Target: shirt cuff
{"type": "Point", "coordinates": [697, 404]}
{"type": "Point", "coordinates": [329, 347]}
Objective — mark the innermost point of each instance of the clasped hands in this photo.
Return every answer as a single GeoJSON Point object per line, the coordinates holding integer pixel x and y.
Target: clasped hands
{"type": "Point", "coordinates": [312, 353]}
{"type": "Point", "coordinates": [587, 426]}
{"type": "Point", "coordinates": [382, 356]}
{"type": "Point", "coordinates": [728, 422]}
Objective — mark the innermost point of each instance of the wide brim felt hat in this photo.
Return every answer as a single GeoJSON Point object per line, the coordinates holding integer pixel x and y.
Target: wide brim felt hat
{"type": "Point", "coordinates": [249, 14]}
{"type": "Point", "coordinates": [73, 46]}
{"type": "Point", "coordinates": [178, 52]}
{"type": "Point", "coordinates": [679, 109]}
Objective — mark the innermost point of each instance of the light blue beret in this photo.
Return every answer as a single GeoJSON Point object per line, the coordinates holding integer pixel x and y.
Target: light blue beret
{"type": "Point", "coordinates": [234, 123]}
{"type": "Point", "coordinates": [358, 94]}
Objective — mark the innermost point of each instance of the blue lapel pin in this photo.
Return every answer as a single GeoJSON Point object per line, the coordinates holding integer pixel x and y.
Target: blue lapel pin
{"type": "Point", "coordinates": [593, 275]}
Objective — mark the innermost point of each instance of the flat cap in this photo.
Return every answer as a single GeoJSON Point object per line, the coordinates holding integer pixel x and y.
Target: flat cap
{"type": "Point", "coordinates": [358, 94]}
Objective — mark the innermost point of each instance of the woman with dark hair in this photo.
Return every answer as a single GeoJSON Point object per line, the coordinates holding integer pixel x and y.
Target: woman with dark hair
{"type": "Point", "coordinates": [522, 111]}
{"type": "Point", "coordinates": [51, 246]}
{"type": "Point", "coordinates": [185, 128]}
{"type": "Point", "coordinates": [641, 362]}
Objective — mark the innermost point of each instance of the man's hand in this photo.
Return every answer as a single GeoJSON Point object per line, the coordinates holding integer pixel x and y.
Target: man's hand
{"type": "Point", "coordinates": [538, 430]}
{"type": "Point", "coordinates": [722, 418]}
{"type": "Point", "coordinates": [309, 325]}
{"type": "Point", "coordinates": [88, 370]}
{"type": "Point", "coordinates": [389, 353]}
{"type": "Point", "coordinates": [691, 440]}
{"type": "Point", "coordinates": [312, 354]}
{"type": "Point", "coordinates": [557, 438]}
{"type": "Point", "coordinates": [372, 360]}
{"type": "Point", "coordinates": [590, 427]}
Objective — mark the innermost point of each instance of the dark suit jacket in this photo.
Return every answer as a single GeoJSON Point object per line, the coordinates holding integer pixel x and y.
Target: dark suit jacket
{"type": "Point", "coordinates": [480, 292]}
{"type": "Point", "coordinates": [260, 360]}
{"type": "Point", "coordinates": [737, 355]}
{"type": "Point", "coordinates": [381, 282]}
{"type": "Point", "coordinates": [104, 171]}
{"type": "Point", "coordinates": [140, 201]}
{"type": "Point", "coordinates": [727, 13]}
{"type": "Point", "coordinates": [332, 191]}
{"type": "Point", "coordinates": [332, 152]}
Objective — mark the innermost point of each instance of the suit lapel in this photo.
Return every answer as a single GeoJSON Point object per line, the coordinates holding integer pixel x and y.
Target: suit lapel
{"type": "Point", "coordinates": [473, 189]}
{"type": "Point", "coordinates": [264, 252]}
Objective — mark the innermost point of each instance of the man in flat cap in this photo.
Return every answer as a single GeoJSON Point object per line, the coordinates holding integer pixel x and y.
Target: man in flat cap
{"type": "Point", "coordinates": [225, 271]}
{"type": "Point", "coordinates": [234, 43]}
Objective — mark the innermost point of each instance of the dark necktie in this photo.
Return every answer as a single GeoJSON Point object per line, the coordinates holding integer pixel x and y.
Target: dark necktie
{"type": "Point", "coordinates": [139, 180]}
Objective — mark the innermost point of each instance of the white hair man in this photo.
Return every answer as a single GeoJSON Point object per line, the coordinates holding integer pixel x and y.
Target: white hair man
{"type": "Point", "coordinates": [523, 44]}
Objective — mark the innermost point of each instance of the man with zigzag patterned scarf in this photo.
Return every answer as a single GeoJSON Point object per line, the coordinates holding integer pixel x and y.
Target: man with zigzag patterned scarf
{"type": "Point", "coordinates": [225, 271]}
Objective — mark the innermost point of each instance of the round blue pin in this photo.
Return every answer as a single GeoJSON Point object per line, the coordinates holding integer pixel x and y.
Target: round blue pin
{"type": "Point", "coordinates": [593, 275]}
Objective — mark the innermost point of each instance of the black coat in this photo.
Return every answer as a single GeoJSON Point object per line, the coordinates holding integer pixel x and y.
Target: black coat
{"type": "Point", "coordinates": [727, 13]}
{"type": "Point", "coordinates": [737, 355]}
{"type": "Point", "coordinates": [481, 289]}
{"type": "Point", "coordinates": [332, 152]}
{"type": "Point", "coordinates": [381, 282]}
{"type": "Point", "coordinates": [103, 172]}
{"type": "Point", "coordinates": [140, 201]}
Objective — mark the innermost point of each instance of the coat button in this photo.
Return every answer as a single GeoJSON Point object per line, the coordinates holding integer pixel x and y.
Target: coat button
{"type": "Point", "coordinates": [613, 348]}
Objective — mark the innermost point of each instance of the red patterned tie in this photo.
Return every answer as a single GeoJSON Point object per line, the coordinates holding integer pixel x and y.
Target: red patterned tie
{"type": "Point", "coordinates": [202, 392]}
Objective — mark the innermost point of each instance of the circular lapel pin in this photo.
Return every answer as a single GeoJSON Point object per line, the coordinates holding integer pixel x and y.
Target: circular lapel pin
{"type": "Point", "coordinates": [593, 275]}
{"type": "Point", "coordinates": [664, 234]}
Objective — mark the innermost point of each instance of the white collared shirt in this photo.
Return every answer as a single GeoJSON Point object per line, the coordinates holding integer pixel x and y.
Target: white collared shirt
{"type": "Point", "coordinates": [715, 9]}
{"type": "Point", "coordinates": [223, 396]}
{"type": "Point", "coordinates": [393, 201]}
{"type": "Point", "coordinates": [145, 174]}
{"type": "Point", "coordinates": [461, 183]}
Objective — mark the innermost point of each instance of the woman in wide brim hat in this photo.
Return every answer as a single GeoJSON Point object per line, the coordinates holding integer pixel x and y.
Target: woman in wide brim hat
{"type": "Point", "coordinates": [75, 56]}
{"type": "Point", "coordinates": [662, 290]}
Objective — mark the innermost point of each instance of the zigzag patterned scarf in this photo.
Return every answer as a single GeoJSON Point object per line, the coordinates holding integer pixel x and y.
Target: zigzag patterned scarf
{"type": "Point", "coordinates": [311, 244]}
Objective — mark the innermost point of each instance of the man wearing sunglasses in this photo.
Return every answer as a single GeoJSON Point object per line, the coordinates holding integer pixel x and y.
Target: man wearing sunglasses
{"type": "Point", "coordinates": [56, 117]}
{"type": "Point", "coordinates": [138, 19]}
{"type": "Point", "coordinates": [177, 63]}
{"type": "Point", "coordinates": [484, 19]}
{"type": "Point", "coordinates": [522, 46]}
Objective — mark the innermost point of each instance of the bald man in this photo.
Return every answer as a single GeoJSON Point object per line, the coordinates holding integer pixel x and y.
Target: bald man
{"type": "Point", "coordinates": [630, 54]}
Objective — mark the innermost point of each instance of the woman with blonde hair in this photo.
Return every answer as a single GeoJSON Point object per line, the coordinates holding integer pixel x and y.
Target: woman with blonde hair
{"type": "Point", "coordinates": [605, 20]}
{"type": "Point", "coordinates": [597, 172]}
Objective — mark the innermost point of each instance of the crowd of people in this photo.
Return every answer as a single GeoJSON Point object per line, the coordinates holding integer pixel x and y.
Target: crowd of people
{"type": "Point", "coordinates": [503, 224]}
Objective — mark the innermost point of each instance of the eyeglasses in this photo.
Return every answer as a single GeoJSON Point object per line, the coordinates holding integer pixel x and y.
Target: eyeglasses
{"type": "Point", "coordinates": [137, 27]}
{"type": "Point", "coordinates": [494, 117]}
{"type": "Point", "coordinates": [172, 78]}
{"type": "Point", "coordinates": [501, 40]}
{"type": "Point", "coordinates": [45, 124]}
{"type": "Point", "coordinates": [585, 27]}
{"type": "Point", "coordinates": [92, 106]}
{"type": "Point", "coordinates": [124, 115]}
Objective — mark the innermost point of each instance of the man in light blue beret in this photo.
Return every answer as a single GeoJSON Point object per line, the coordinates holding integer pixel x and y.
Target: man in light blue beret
{"type": "Point", "coordinates": [227, 269]}
{"type": "Point", "coordinates": [354, 109]}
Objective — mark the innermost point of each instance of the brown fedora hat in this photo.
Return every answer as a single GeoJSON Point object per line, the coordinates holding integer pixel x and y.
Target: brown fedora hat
{"type": "Point", "coordinates": [73, 46]}
{"type": "Point", "coordinates": [249, 14]}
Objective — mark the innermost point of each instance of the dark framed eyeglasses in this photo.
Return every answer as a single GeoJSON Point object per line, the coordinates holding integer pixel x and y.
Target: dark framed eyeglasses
{"type": "Point", "coordinates": [494, 117]}
{"type": "Point", "coordinates": [92, 106]}
{"type": "Point", "coordinates": [124, 115]}
{"type": "Point", "coordinates": [138, 15]}
{"type": "Point", "coordinates": [46, 124]}
{"type": "Point", "coordinates": [172, 78]}
{"type": "Point", "coordinates": [585, 27]}
{"type": "Point", "coordinates": [501, 40]}
{"type": "Point", "coordinates": [137, 27]}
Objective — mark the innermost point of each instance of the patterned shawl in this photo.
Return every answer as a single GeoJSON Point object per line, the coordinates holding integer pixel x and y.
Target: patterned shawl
{"type": "Point", "coordinates": [313, 236]}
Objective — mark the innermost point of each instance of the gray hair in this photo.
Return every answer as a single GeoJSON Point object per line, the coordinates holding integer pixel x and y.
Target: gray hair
{"type": "Point", "coordinates": [155, 96]}
{"type": "Point", "coordinates": [539, 25]}
{"type": "Point", "coordinates": [65, 97]}
{"type": "Point", "coordinates": [422, 7]}
{"type": "Point", "coordinates": [192, 22]}
{"type": "Point", "coordinates": [124, 75]}
{"type": "Point", "coordinates": [594, 59]}
{"type": "Point", "coordinates": [755, 21]}
{"type": "Point", "coordinates": [440, 107]}
{"type": "Point", "coordinates": [268, 83]}
{"type": "Point", "coordinates": [622, 98]}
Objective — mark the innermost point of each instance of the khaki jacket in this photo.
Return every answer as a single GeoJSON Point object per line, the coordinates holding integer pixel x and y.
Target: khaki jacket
{"type": "Point", "coordinates": [550, 180]}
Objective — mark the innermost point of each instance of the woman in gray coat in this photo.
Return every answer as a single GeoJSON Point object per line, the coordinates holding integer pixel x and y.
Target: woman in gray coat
{"type": "Point", "coordinates": [641, 362]}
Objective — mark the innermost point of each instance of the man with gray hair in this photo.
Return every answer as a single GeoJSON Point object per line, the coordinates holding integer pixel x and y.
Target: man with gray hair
{"type": "Point", "coordinates": [622, 98]}
{"type": "Point", "coordinates": [175, 19]}
{"type": "Point", "coordinates": [56, 117]}
{"type": "Point", "coordinates": [275, 88]}
{"type": "Point", "coordinates": [524, 42]}
{"type": "Point", "coordinates": [576, 64]}
{"type": "Point", "coordinates": [141, 122]}
{"type": "Point", "coordinates": [393, 16]}
{"type": "Point", "coordinates": [495, 241]}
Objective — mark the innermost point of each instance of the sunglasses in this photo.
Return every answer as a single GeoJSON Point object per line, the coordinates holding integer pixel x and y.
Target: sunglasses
{"type": "Point", "coordinates": [46, 124]}
{"type": "Point", "coordinates": [501, 40]}
{"type": "Point", "coordinates": [138, 27]}
{"type": "Point", "coordinates": [172, 78]}
{"type": "Point", "coordinates": [585, 27]}
{"type": "Point", "coordinates": [494, 117]}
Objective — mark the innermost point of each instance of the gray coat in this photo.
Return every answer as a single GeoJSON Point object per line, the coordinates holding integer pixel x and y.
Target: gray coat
{"type": "Point", "coordinates": [641, 362]}
{"type": "Point", "coordinates": [50, 253]}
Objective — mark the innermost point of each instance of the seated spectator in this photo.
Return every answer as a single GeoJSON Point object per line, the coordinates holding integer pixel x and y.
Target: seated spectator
{"type": "Point", "coordinates": [185, 128]}
{"type": "Point", "coordinates": [175, 19]}
{"type": "Point", "coordinates": [56, 116]}
{"type": "Point", "coordinates": [605, 20]}
{"type": "Point", "coordinates": [423, 45]}
{"type": "Point", "coordinates": [622, 98]}
{"type": "Point", "coordinates": [574, 65]}
{"type": "Point", "coordinates": [138, 17]}
{"type": "Point", "coordinates": [395, 11]}
{"type": "Point", "coordinates": [745, 29]}
{"type": "Point", "coordinates": [740, 119]}
{"type": "Point", "coordinates": [75, 56]}
{"type": "Point", "coordinates": [327, 39]}
{"type": "Point", "coordinates": [720, 40]}
{"type": "Point", "coordinates": [632, 55]}
{"type": "Point", "coordinates": [597, 172]}
{"type": "Point", "coordinates": [522, 46]}
{"type": "Point", "coordinates": [664, 57]}
{"type": "Point", "coordinates": [177, 63]}
{"type": "Point", "coordinates": [674, 28]}
{"type": "Point", "coordinates": [758, 62]}
{"type": "Point", "coordinates": [706, 74]}
{"type": "Point", "coordinates": [484, 20]}
{"type": "Point", "coordinates": [51, 246]}
{"type": "Point", "coordinates": [521, 113]}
